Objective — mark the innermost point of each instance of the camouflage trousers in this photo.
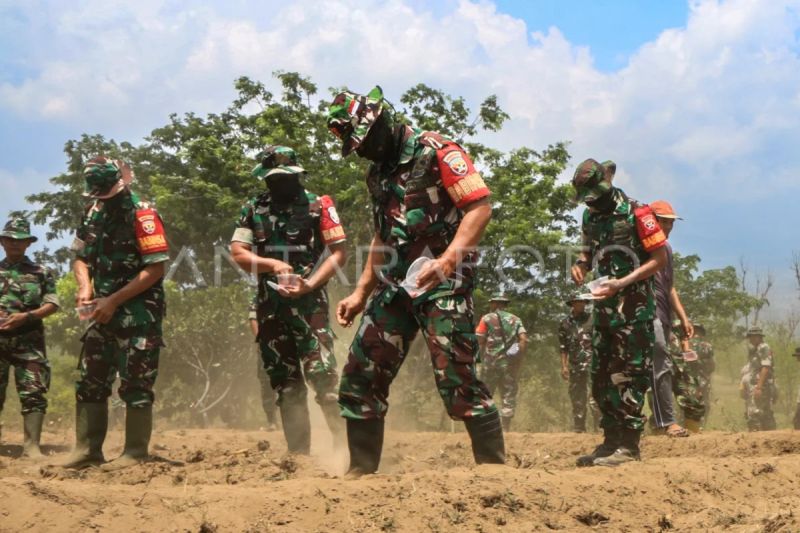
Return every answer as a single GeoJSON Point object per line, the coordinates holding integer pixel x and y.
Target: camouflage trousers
{"type": "Point", "coordinates": [621, 367]}
{"type": "Point", "coordinates": [704, 379]}
{"type": "Point", "coordinates": [501, 376]}
{"type": "Point", "coordinates": [132, 353]}
{"type": "Point", "coordinates": [687, 387]}
{"type": "Point", "coordinates": [26, 353]}
{"type": "Point", "coordinates": [758, 412]}
{"type": "Point", "coordinates": [297, 348]}
{"type": "Point", "coordinates": [579, 396]}
{"type": "Point", "coordinates": [389, 325]}
{"type": "Point", "coordinates": [268, 396]}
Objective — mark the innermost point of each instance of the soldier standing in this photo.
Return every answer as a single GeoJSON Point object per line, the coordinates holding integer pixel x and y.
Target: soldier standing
{"type": "Point", "coordinates": [575, 344]}
{"type": "Point", "coordinates": [27, 296]}
{"type": "Point", "coordinates": [121, 251]}
{"type": "Point", "coordinates": [268, 396]}
{"type": "Point", "coordinates": [705, 362]}
{"type": "Point", "coordinates": [760, 382]}
{"type": "Point", "coordinates": [285, 235]}
{"type": "Point", "coordinates": [622, 240]}
{"type": "Point", "coordinates": [503, 342]}
{"type": "Point", "coordinates": [428, 200]}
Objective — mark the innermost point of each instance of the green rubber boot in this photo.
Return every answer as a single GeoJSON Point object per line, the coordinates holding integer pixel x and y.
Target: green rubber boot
{"type": "Point", "coordinates": [138, 428]}
{"type": "Point", "coordinates": [91, 425]}
{"type": "Point", "coordinates": [627, 452]}
{"type": "Point", "coordinates": [32, 425]}
{"type": "Point", "coordinates": [486, 433]}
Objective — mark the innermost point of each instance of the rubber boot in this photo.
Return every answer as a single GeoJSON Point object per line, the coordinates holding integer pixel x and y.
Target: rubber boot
{"type": "Point", "coordinates": [486, 433]}
{"type": "Point", "coordinates": [627, 452]}
{"type": "Point", "coordinates": [138, 428]}
{"type": "Point", "coordinates": [296, 423]}
{"type": "Point", "coordinates": [32, 424]}
{"type": "Point", "coordinates": [365, 442]}
{"type": "Point", "coordinates": [506, 421]}
{"type": "Point", "coordinates": [693, 426]}
{"type": "Point", "coordinates": [91, 425]}
{"type": "Point", "coordinates": [335, 423]}
{"type": "Point", "coordinates": [611, 441]}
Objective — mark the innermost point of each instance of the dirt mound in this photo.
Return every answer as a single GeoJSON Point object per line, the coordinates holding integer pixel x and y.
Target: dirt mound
{"type": "Point", "coordinates": [221, 480]}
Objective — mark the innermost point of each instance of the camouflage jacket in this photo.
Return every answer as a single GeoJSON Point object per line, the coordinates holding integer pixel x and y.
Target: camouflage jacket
{"type": "Point", "coordinates": [620, 242]}
{"type": "Point", "coordinates": [297, 234]}
{"type": "Point", "coordinates": [418, 201]}
{"type": "Point", "coordinates": [26, 286]}
{"type": "Point", "coordinates": [502, 331]}
{"type": "Point", "coordinates": [575, 339]}
{"type": "Point", "coordinates": [705, 355]}
{"type": "Point", "coordinates": [759, 357]}
{"type": "Point", "coordinates": [118, 238]}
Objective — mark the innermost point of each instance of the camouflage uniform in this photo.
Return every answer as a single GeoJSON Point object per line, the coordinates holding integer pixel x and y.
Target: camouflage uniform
{"type": "Point", "coordinates": [117, 239]}
{"type": "Point", "coordinates": [759, 411]}
{"type": "Point", "coordinates": [575, 339]}
{"type": "Point", "coordinates": [268, 396]}
{"type": "Point", "coordinates": [686, 381]}
{"type": "Point", "coordinates": [26, 287]}
{"type": "Point", "coordinates": [706, 365]}
{"type": "Point", "coordinates": [623, 335]}
{"type": "Point", "coordinates": [501, 358]}
{"type": "Point", "coordinates": [295, 337]}
{"type": "Point", "coordinates": [416, 207]}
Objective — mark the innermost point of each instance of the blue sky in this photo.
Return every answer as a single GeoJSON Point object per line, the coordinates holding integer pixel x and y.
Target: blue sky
{"type": "Point", "coordinates": [698, 102]}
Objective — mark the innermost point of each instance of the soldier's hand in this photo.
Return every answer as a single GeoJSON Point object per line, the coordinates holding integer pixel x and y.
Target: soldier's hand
{"type": "Point", "coordinates": [564, 374]}
{"type": "Point", "coordinates": [279, 267]}
{"type": "Point", "coordinates": [349, 308]}
{"type": "Point", "coordinates": [579, 274]}
{"type": "Point", "coordinates": [302, 288]}
{"type": "Point", "coordinates": [608, 289]}
{"type": "Point", "coordinates": [434, 273]}
{"type": "Point", "coordinates": [104, 312]}
{"type": "Point", "coordinates": [688, 329]}
{"type": "Point", "coordinates": [13, 321]}
{"type": "Point", "coordinates": [83, 296]}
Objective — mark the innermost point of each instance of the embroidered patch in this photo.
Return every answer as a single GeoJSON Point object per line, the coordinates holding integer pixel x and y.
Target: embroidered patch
{"type": "Point", "coordinates": [455, 160]}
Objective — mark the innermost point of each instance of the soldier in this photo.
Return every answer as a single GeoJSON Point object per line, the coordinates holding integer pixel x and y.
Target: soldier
{"type": "Point", "coordinates": [706, 365]}
{"type": "Point", "coordinates": [503, 341]}
{"type": "Point", "coordinates": [760, 383]}
{"type": "Point", "coordinates": [121, 251]}
{"type": "Point", "coordinates": [428, 200]}
{"type": "Point", "coordinates": [667, 303]}
{"type": "Point", "coordinates": [268, 396]}
{"type": "Point", "coordinates": [27, 296]}
{"type": "Point", "coordinates": [622, 240]}
{"type": "Point", "coordinates": [575, 344]}
{"type": "Point", "coordinates": [686, 387]}
{"type": "Point", "coordinates": [796, 420]}
{"type": "Point", "coordinates": [293, 237]}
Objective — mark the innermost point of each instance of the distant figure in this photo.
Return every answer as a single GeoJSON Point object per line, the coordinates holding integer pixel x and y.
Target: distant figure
{"type": "Point", "coordinates": [705, 354]}
{"type": "Point", "coordinates": [759, 390]}
{"type": "Point", "coordinates": [575, 344]}
{"type": "Point", "coordinates": [503, 340]}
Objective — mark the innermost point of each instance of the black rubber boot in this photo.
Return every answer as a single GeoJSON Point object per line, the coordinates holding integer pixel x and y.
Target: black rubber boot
{"type": "Point", "coordinates": [138, 428]}
{"type": "Point", "coordinates": [335, 423]}
{"type": "Point", "coordinates": [32, 424]}
{"type": "Point", "coordinates": [91, 425]}
{"type": "Point", "coordinates": [486, 433]}
{"type": "Point", "coordinates": [611, 441]}
{"type": "Point", "coordinates": [626, 452]}
{"type": "Point", "coordinates": [365, 442]}
{"type": "Point", "coordinates": [506, 421]}
{"type": "Point", "coordinates": [296, 423]}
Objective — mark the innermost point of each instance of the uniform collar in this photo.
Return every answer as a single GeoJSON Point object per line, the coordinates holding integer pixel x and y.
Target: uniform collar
{"type": "Point", "coordinates": [5, 263]}
{"type": "Point", "coordinates": [409, 148]}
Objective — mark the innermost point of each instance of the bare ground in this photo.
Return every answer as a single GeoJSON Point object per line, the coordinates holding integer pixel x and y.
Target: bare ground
{"type": "Point", "coordinates": [244, 481]}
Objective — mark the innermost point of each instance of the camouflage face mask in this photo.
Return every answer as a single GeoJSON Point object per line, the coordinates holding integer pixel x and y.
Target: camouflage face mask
{"type": "Point", "coordinates": [350, 117]}
{"type": "Point", "coordinates": [106, 177]}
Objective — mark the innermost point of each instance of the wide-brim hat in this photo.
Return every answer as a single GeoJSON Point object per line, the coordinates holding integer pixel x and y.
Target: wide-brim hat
{"type": "Point", "coordinates": [499, 298]}
{"type": "Point", "coordinates": [593, 180]}
{"type": "Point", "coordinates": [18, 229]}
{"type": "Point", "coordinates": [575, 298]}
{"type": "Point", "coordinates": [754, 331]}
{"type": "Point", "coordinates": [260, 172]}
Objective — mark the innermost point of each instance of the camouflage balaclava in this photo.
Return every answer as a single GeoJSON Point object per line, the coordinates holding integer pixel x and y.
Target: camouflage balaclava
{"type": "Point", "coordinates": [351, 116]}
{"type": "Point", "coordinates": [592, 180]}
{"type": "Point", "coordinates": [105, 178]}
{"type": "Point", "coordinates": [18, 229]}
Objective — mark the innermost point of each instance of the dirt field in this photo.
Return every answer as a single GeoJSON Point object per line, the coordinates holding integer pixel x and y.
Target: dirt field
{"type": "Point", "coordinates": [243, 481]}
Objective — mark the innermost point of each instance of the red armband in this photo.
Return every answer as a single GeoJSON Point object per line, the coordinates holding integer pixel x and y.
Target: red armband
{"type": "Point", "coordinates": [464, 184]}
{"type": "Point", "coordinates": [648, 228]}
{"type": "Point", "coordinates": [329, 223]}
{"type": "Point", "coordinates": [482, 328]}
{"type": "Point", "coordinates": [150, 235]}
